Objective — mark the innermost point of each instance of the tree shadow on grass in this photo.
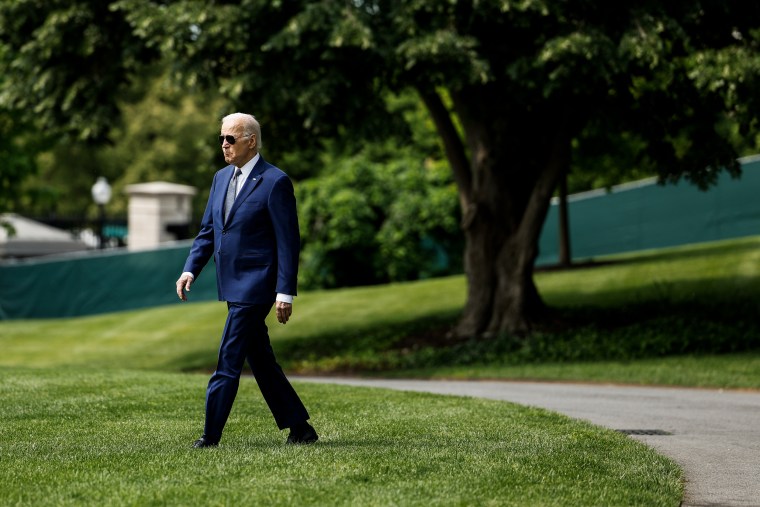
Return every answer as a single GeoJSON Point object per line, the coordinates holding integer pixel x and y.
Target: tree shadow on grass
{"type": "Point", "coordinates": [637, 330]}
{"type": "Point", "coordinates": [661, 319]}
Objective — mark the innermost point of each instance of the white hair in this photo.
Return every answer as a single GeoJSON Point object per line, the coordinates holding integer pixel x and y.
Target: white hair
{"type": "Point", "coordinates": [250, 125]}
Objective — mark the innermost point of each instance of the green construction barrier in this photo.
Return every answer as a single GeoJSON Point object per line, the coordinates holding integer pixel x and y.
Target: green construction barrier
{"type": "Point", "coordinates": [98, 282]}
{"type": "Point", "coordinates": [646, 215]}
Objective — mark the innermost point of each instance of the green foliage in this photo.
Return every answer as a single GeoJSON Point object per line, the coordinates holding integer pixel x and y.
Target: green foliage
{"type": "Point", "coordinates": [602, 159]}
{"type": "Point", "coordinates": [380, 215]}
{"type": "Point", "coordinates": [387, 212]}
{"type": "Point", "coordinates": [668, 84]}
{"type": "Point", "coordinates": [664, 74]}
{"type": "Point", "coordinates": [17, 148]}
{"type": "Point", "coordinates": [167, 134]}
{"type": "Point", "coordinates": [65, 62]}
{"type": "Point", "coordinates": [164, 134]}
{"type": "Point", "coordinates": [299, 103]}
{"type": "Point", "coordinates": [62, 185]}
{"type": "Point", "coordinates": [18, 144]}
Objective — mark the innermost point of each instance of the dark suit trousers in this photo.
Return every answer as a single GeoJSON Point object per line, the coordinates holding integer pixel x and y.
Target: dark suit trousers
{"type": "Point", "coordinates": [246, 337]}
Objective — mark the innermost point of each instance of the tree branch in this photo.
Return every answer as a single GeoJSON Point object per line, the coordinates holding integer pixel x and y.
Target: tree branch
{"type": "Point", "coordinates": [452, 143]}
{"type": "Point", "coordinates": [556, 164]}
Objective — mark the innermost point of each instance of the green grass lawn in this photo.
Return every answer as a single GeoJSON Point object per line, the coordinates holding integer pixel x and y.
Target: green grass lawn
{"type": "Point", "coordinates": [78, 436]}
{"type": "Point", "coordinates": [733, 371]}
{"type": "Point", "coordinates": [100, 415]}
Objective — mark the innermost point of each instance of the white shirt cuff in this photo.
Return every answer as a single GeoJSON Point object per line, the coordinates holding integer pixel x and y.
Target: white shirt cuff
{"type": "Point", "coordinates": [285, 298]}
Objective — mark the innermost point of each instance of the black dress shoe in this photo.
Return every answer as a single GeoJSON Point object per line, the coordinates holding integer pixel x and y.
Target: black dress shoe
{"type": "Point", "coordinates": [302, 434]}
{"type": "Point", "coordinates": [204, 441]}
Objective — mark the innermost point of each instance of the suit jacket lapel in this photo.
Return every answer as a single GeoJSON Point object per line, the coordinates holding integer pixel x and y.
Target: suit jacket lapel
{"type": "Point", "coordinates": [250, 184]}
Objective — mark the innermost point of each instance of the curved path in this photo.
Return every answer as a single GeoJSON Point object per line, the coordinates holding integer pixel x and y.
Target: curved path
{"type": "Point", "coordinates": [713, 434]}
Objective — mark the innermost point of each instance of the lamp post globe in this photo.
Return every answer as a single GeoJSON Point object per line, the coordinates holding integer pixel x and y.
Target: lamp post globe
{"type": "Point", "coordinates": [101, 194]}
{"type": "Point", "coordinates": [101, 191]}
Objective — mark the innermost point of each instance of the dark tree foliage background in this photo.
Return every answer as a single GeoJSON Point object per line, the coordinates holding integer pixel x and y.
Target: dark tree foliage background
{"type": "Point", "coordinates": [521, 94]}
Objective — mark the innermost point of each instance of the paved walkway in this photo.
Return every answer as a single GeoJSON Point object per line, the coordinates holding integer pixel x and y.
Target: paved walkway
{"type": "Point", "coordinates": [713, 434]}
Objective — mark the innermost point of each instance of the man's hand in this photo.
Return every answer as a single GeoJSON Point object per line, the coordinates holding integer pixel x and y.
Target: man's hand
{"type": "Point", "coordinates": [183, 284]}
{"type": "Point", "coordinates": [284, 310]}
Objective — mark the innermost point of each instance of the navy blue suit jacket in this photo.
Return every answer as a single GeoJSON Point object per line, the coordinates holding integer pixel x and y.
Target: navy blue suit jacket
{"type": "Point", "coordinates": [256, 251]}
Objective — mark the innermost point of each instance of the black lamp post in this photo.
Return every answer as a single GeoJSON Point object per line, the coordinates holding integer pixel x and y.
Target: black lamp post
{"type": "Point", "coordinates": [101, 194]}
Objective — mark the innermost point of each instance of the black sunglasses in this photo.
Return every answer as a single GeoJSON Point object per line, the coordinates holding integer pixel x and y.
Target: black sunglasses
{"type": "Point", "coordinates": [231, 139]}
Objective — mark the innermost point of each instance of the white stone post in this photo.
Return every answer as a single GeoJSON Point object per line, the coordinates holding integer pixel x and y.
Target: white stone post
{"type": "Point", "coordinates": [153, 208]}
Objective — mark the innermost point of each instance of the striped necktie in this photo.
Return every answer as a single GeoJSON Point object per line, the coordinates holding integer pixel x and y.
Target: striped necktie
{"type": "Point", "coordinates": [231, 193]}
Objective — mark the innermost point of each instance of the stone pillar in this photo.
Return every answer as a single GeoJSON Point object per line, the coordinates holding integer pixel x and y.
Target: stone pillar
{"type": "Point", "coordinates": [158, 212]}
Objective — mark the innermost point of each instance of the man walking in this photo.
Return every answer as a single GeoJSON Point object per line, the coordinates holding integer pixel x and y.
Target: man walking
{"type": "Point", "coordinates": [250, 226]}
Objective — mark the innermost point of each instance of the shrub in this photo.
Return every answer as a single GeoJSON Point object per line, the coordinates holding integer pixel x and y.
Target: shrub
{"type": "Point", "coordinates": [378, 216]}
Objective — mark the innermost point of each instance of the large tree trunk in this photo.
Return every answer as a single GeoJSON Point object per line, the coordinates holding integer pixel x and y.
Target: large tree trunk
{"type": "Point", "coordinates": [505, 186]}
{"type": "Point", "coordinates": [501, 295]}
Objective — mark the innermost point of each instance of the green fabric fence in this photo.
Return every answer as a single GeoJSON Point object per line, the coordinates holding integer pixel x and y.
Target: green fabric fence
{"type": "Point", "coordinates": [98, 282]}
{"type": "Point", "coordinates": [645, 215]}
{"type": "Point", "coordinates": [631, 217]}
